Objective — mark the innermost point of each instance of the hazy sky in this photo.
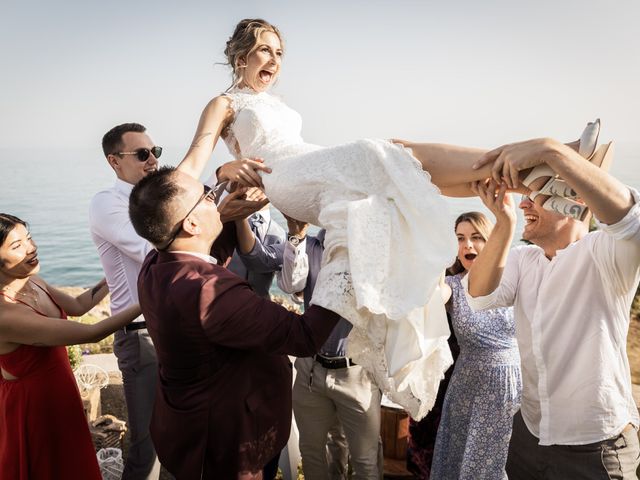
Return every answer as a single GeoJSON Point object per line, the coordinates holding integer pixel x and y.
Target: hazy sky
{"type": "Point", "coordinates": [472, 72]}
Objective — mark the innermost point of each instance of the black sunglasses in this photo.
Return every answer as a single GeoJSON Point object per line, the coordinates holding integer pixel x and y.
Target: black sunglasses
{"type": "Point", "coordinates": [208, 193]}
{"type": "Point", "coordinates": [143, 153]}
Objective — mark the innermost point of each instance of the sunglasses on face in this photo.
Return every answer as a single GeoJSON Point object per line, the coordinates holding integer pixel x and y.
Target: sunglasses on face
{"type": "Point", "coordinates": [210, 194]}
{"type": "Point", "coordinates": [143, 153]}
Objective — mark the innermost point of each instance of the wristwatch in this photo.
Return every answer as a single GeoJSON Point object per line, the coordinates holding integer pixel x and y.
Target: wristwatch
{"type": "Point", "coordinates": [295, 240]}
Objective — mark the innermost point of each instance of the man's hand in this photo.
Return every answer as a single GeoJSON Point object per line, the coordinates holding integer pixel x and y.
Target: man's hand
{"type": "Point", "coordinates": [296, 227]}
{"type": "Point", "coordinates": [241, 203]}
{"type": "Point", "coordinates": [509, 160]}
{"type": "Point", "coordinates": [497, 200]}
{"type": "Point", "coordinates": [243, 171]}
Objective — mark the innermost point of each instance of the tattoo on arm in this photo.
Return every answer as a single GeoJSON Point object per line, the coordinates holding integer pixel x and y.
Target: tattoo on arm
{"type": "Point", "coordinates": [199, 138]}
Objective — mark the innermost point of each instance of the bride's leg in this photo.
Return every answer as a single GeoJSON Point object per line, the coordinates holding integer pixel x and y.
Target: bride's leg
{"type": "Point", "coordinates": [449, 165]}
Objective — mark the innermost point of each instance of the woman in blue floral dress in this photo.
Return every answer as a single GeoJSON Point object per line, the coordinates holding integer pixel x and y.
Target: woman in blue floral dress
{"type": "Point", "coordinates": [484, 392]}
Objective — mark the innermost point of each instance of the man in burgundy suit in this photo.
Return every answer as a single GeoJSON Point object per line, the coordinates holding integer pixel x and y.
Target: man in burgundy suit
{"type": "Point", "coordinates": [223, 404]}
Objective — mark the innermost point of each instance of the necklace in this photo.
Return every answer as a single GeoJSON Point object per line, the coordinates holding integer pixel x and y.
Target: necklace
{"type": "Point", "coordinates": [33, 296]}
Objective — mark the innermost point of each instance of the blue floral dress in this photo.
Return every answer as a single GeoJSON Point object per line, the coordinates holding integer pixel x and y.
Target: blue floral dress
{"type": "Point", "coordinates": [483, 395]}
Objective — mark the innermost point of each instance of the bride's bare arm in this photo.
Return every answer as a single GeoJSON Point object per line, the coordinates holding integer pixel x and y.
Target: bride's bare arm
{"type": "Point", "coordinates": [214, 118]}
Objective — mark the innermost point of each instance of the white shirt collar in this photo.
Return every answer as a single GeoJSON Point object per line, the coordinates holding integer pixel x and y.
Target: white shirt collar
{"type": "Point", "coordinates": [123, 187]}
{"type": "Point", "coordinates": [201, 256]}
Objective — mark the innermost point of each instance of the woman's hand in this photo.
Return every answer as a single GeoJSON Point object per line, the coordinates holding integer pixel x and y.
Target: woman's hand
{"type": "Point", "coordinates": [497, 199]}
{"type": "Point", "coordinates": [243, 171]}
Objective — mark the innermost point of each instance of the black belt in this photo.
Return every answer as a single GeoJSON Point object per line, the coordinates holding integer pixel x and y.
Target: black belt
{"type": "Point", "coordinates": [134, 326]}
{"type": "Point", "coordinates": [333, 363]}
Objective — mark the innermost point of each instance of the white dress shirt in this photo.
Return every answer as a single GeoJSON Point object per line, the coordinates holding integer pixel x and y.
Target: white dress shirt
{"type": "Point", "coordinates": [121, 250]}
{"type": "Point", "coordinates": [572, 319]}
{"type": "Point", "coordinates": [292, 278]}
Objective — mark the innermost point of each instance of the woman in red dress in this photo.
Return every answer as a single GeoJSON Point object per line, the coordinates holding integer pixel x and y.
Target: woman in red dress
{"type": "Point", "coordinates": [43, 430]}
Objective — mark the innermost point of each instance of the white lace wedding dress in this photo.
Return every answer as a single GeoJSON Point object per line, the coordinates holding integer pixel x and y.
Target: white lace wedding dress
{"type": "Point", "coordinates": [388, 240]}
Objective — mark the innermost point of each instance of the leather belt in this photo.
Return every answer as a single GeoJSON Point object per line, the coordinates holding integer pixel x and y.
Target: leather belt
{"type": "Point", "coordinates": [333, 363]}
{"type": "Point", "coordinates": [134, 326]}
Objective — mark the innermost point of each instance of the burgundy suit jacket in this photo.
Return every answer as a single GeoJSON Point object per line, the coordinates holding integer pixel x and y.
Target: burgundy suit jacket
{"type": "Point", "coordinates": [223, 402]}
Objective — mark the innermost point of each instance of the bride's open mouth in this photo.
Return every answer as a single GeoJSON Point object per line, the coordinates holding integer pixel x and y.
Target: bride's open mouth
{"type": "Point", "coordinates": [265, 76]}
{"type": "Point", "coordinates": [471, 256]}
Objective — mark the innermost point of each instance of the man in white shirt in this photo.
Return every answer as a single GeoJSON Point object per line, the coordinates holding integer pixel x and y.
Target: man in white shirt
{"type": "Point", "coordinates": [572, 292]}
{"type": "Point", "coordinates": [132, 155]}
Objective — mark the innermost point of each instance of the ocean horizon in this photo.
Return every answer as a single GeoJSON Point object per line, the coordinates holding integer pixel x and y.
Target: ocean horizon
{"type": "Point", "coordinates": [52, 189]}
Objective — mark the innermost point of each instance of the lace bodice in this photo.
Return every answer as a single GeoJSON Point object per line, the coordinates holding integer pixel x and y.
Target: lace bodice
{"type": "Point", "coordinates": [263, 125]}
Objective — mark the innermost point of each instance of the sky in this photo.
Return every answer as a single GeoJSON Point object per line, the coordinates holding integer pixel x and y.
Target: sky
{"type": "Point", "coordinates": [478, 73]}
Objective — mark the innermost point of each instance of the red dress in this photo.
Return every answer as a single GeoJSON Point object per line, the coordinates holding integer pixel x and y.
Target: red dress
{"type": "Point", "coordinates": [43, 432]}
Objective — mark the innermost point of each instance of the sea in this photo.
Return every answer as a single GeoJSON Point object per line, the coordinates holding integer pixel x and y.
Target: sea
{"type": "Point", "coordinates": [51, 190]}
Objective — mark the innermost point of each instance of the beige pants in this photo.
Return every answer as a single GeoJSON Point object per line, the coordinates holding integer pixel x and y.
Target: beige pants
{"type": "Point", "coordinates": [325, 398]}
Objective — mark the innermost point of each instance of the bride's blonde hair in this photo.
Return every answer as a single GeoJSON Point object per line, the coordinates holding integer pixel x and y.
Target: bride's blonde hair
{"type": "Point", "coordinates": [243, 42]}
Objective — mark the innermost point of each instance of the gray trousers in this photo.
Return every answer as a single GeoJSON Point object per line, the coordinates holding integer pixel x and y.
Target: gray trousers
{"type": "Point", "coordinates": [614, 458]}
{"type": "Point", "coordinates": [344, 396]}
{"type": "Point", "coordinates": [139, 367]}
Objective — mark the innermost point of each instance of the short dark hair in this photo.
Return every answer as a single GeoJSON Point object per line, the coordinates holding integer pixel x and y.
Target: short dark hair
{"type": "Point", "coordinates": [8, 223]}
{"type": "Point", "coordinates": [112, 140]}
{"type": "Point", "coordinates": [150, 205]}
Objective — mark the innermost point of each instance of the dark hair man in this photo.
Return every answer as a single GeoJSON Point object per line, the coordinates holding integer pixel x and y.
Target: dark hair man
{"type": "Point", "coordinates": [223, 406]}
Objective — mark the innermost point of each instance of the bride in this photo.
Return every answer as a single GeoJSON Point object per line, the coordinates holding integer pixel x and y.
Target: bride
{"type": "Point", "coordinates": [387, 226]}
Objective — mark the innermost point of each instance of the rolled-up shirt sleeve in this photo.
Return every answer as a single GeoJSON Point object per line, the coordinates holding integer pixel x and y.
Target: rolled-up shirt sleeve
{"type": "Point", "coordinates": [504, 295]}
{"type": "Point", "coordinates": [292, 278]}
{"type": "Point", "coordinates": [264, 257]}
{"type": "Point", "coordinates": [618, 252]}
